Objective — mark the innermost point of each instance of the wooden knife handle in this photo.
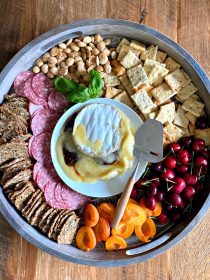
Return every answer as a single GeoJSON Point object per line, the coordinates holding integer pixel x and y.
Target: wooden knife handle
{"type": "Point", "coordinates": [120, 209]}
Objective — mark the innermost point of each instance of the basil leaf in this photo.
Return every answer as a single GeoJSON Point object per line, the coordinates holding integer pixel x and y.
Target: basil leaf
{"type": "Point", "coordinates": [96, 84]}
{"type": "Point", "coordinates": [78, 95]}
{"type": "Point", "coordinates": [64, 85]}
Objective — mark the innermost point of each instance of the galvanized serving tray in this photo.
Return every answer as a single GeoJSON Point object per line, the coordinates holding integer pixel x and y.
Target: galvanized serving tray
{"type": "Point", "coordinates": [115, 29]}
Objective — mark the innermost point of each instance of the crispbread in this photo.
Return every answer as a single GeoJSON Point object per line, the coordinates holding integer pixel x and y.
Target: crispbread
{"type": "Point", "coordinates": [11, 151]}
{"type": "Point", "coordinates": [161, 56]}
{"type": "Point", "coordinates": [111, 80]}
{"type": "Point", "coordinates": [124, 98]}
{"type": "Point", "coordinates": [68, 230]}
{"type": "Point", "coordinates": [180, 118]}
{"type": "Point", "coordinates": [176, 79]}
{"type": "Point", "coordinates": [162, 92]}
{"type": "Point", "coordinates": [127, 84]}
{"type": "Point", "coordinates": [203, 134]}
{"type": "Point", "coordinates": [112, 92]}
{"type": "Point", "coordinates": [37, 214]}
{"type": "Point", "coordinates": [124, 41]}
{"type": "Point", "coordinates": [130, 60]}
{"type": "Point", "coordinates": [157, 74]}
{"type": "Point", "coordinates": [150, 53]}
{"type": "Point", "coordinates": [173, 132]}
{"type": "Point", "coordinates": [138, 46]}
{"type": "Point", "coordinates": [22, 176]}
{"type": "Point", "coordinates": [193, 106]}
{"type": "Point", "coordinates": [137, 76]}
{"type": "Point", "coordinates": [167, 113]}
{"type": "Point", "coordinates": [186, 91]}
{"type": "Point", "coordinates": [171, 64]}
{"type": "Point", "coordinates": [143, 102]}
{"type": "Point", "coordinates": [192, 118]}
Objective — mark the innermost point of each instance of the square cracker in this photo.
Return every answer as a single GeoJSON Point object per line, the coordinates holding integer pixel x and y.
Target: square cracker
{"type": "Point", "coordinates": [185, 131]}
{"type": "Point", "coordinates": [137, 76]}
{"type": "Point", "coordinates": [124, 41]}
{"type": "Point", "coordinates": [193, 106]}
{"type": "Point", "coordinates": [180, 118]}
{"type": "Point", "coordinates": [150, 52]}
{"type": "Point", "coordinates": [167, 113]}
{"type": "Point", "coordinates": [186, 91]}
{"type": "Point", "coordinates": [127, 84]}
{"type": "Point", "coordinates": [149, 64]}
{"type": "Point", "coordinates": [173, 132]}
{"type": "Point", "coordinates": [171, 64]}
{"type": "Point", "coordinates": [130, 60]}
{"type": "Point", "coordinates": [111, 80]}
{"type": "Point", "coordinates": [157, 74]}
{"type": "Point", "coordinates": [138, 46]}
{"type": "Point", "coordinates": [176, 79]}
{"type": "Point", "coordinates": [162, 92]}
{"type": "Point", "coordinates": [191, 117]}
{"type": "Point", "coordinates": [161, 56]}
{"type": "Point", "coordinates": [143, 102]}
{"type": "Point", "coordinates": [191, 128]}
{"type": "Point", "coordinates": [112, 92]}
{"type": "Point", "coordinates": [124, 98]}
{"type": "Point", "coordinates": [203, 134]}
{"type": "Point", "coordinates": [125, 49]}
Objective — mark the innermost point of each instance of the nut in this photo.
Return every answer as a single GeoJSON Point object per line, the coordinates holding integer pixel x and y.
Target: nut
{"type": "Point", "coordinates": [91, 45]}
{"type": "Point", "coordinates": [63, 65]}
{"type": "Point", "coordinates": [68, 42]}
{"type": "Point", "coordinates": [113, 54]}
{"type": "Point", "coordinates": [81, 44]}
{"type": "Point", "coordinates": [54, 70]}
{"type": "Point", "coordinates": [98, 38]}
{"type": "Point", "coordinates": [119, 70]}
{"type": "Point", "coordinates": [77, 53]}
{"type": "Point", "coordinates": [95, 51]}
{"type": "Point", "coordinates": [80, 64]}
{"type": "Point", "coordinates": [50, 75]}
{"type": "Point", "coordinates": [39, 62]}
{"type": "Point", "coordinates": [45, 57]}
{"type": "Point", "coordinates": [54, 51]}
{"type": "Point", "coordinates": [67, 50]}
{"type": "Point", "coordinates": [69, 61]}
{"type": "Point", "coordinates": [103, 58]}
{"type": "Point", "coordinates": [90, 68]}
{"type": "Point", "coordinates": [106, 51]}
{"type": "Point", "coordinates": [88, 48]}
{"type": "Point", "coordinates": [63, 72]}
{"type": "Point", "coordinates": [59, 54]}
{"type": "Point", "coordinates": [74, 47]}
{"type": "Point", "coordinates": [84, 56]}
{"type": "Point", "coordinates": [62, 46]}
{"type": "Point", "coordinates": [115, 62]}
{"type": "Point", "coordinates": [64, 55]}
{"type": "Point", "coordinates": [44, 68]}
{"type": "Point", "coordinates": [77, 58]}
{"type": "Point", "coordinates": [92, 60]}
{"type": "Point", "coordinates": [52, 60]}
{"type": "Point", "coordinates": [36, 69]}
{"type": "Point", "coordinates": [60, 60]}
{"type": "Point", "coordinates": [107, 67]}
{"type": "Point", "coordinates": [86, 77]}
{"type": "Point", "coordinates": [87, 39]}
{"type": "Point", "coordinates": [99, 68]}
{"type": "Point", "coordinates": [107, 41]}
{"type": "Point", "coordinates": [101, 46]}
{"type": "Point", "coordinates": [88, 53]}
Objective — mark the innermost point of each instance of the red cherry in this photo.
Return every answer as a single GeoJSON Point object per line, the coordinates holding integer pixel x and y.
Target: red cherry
{"type": "Point", "coordinates": [141, 183]}
{"type": "Point", "coordinates": [198, 145]}
{"type": "Point", "coordinates": [175, 215]}
{"type": "Point", "coordinates": [175, 199]}
{"type": "Point", "coordinates": [186, 141]}
{"type": "Point", "coordinates": [204, 153]}
{"type": "Point", "coordinates": [201, 123]}
{"type": "Point", "coordinates": [201, 161]}
{"type": "Point", "coordinates": [198, 186]}
{"type": "Point", "coordinates": [151, 190]}
{"type": "Point", "coordinates": [183, 204]}
{"type": "Point", "coordinates": [163, 218]}
{"type": "Point", "coordinates": [170, 162]}
{"type": "Point", "coordinates": [179, 186]}
{"type": "Point", "coordinates": [175, 147]}
{"type": "Point", "coordinates": [199, 171]}
{"type": "Point", "coordinates": [150, 202]}
{"type": "Point", "coordinates": [168, 174]}
{"type": "Point", "coordinates": [182, 168]}
{"type": "Point", "coordinates": [169, 207]}
{"type": "Point", "coordinates": [159, 196]}
{"type": "Point", "coordinates": [157, 167]}
{"type": "Point", "coordinates": [190, 179]}
{"type": "Point", "coordinates": [134, 193]}
{"type": "Point", "coordinates": [189, 192]}
{"type": "Point", "coordinates": [183, 156]}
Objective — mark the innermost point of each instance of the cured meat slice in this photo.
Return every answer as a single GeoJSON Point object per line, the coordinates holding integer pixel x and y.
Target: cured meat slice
{"type": "Point", "coordinates": [49, 194]}
{"type": "Point", "coordinates": [40, 148]}
{"type": "Point", "coordinates": [58, 196]}
{"type": "Point", "coordinates": [37, 167]}
{"type": "Point", "coordinates": [20, 81]}
{"type": "Point", "coordinates": [33, 108]}
{"type": "Point", "coordinates": [29, 145]}
{"type": "Point", "coordinates": [30, 94]}
{"type": "Point", "coordinates": [73, 200]}
{"type": "Point", "coordinates": [44, 175]}
{"type": "Point", "coordinates": [44, 121]}
{"type": "Point", "coordinates": [57, 102]}
{"type": "Point", "coordinates": [41, 85]}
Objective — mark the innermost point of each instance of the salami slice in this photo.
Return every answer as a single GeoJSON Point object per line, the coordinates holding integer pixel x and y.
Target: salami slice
{"type": "Point", "coordinates": [57, 102]}
{"type": "Point", "coordinates": [49, 194]}
{"type": "Point", "coordinates": [58, 196]}
{"type": "Point", "coordinates": [30, 94]}
{"type": "Point", "coordinates": [37, 167]}
{"type": "Point", "coordinates": [29, 145]}
{"type": "Point", "coordinates": [73, 200]}
{"type": "Point", "coordinates": [20, 81]}
{"type": "Point", "coordinates": [44, 175]}
{"type": "Point", "coordinates": [40, 148]}
{"type": "Point", "coordinates": [33, 108]}
{"type": "Point", "coordinates": [41, 85]}
{"type": "Point", "coordinates": [44, 121]}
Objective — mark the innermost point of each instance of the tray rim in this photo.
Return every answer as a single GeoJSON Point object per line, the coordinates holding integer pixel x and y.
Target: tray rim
{"type": "Point", "coordinates": [9, 212]}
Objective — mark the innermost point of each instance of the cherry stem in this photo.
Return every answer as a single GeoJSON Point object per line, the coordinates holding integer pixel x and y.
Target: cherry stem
{"type": "Point", "coordinates": [170, 181]}
{"type": "Point", "coordinates": [145, 172]}
{"type": "Point", "coordinates": [199, 173]}
{"type": "Point", "coordinates": [175, 155]}
{"type": "Point", "coordinates": [192, 163]}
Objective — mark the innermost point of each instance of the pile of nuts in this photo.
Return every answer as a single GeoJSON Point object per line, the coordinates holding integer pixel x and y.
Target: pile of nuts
{"type": "Point", "coordinates": [75, 58]}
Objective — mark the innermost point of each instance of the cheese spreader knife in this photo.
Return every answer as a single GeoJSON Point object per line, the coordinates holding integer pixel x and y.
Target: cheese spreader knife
{"type": "Point", "coordinates": [148, 148]}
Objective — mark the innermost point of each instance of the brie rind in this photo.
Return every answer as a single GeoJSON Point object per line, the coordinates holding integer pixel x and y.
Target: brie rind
{"type": "Point", "coordinates": [96, 130]}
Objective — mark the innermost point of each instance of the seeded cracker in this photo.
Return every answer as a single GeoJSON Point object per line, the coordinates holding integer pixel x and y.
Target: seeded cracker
{"type": "Point", "coordinates": [124, 41]}
{"type": "Point", "coordinates": [167, 113]}
{"type": "Point", "coordinates": [203, 134]}
{"type": "Point", "coordinates": [138, 46]}
{"type": "Point", "coordinates": [150, 53]}
{"type": "Point", "coordinates": [143, 102]}
{"type": "Point", "coordinates": [173, 132]}
{"type": "Point", "coordinates": [111, 80]}
{"type": "Point", "coordinates": [127, 84]}
{"type": "Point", "coordinates": [157, 74]}
{"type": "Point", "coordinates": [125, 50]}
{"type": "Point", "coordinates": [137, 76]}
{"type": "Point", "coordinates": [161, 56]}
{"type": "Point", "coordinates": [130, 60]}
{"type": "Point", "coordinates": [180, 118]}
{"type": "Point", "coordinates": [124, 98]}
{"type": "Point", "coordinates": [162, 92]}
{"type": "Point", "coordinates": [193, 106]}
{"type": "Point", "coordinates": [176, 79]}
{"type": "Point", "coordinates": [186, 91]}
{"type": "Point", "coordinates": [112, 92]}
{"type": "Point", "coordinates": [171, 64]}
{"type": "Point", "coordinates": [191, 117]}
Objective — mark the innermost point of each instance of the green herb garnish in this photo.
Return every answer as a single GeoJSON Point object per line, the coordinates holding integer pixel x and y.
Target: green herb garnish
{"type": "Point", "coordinates": [76, 93]}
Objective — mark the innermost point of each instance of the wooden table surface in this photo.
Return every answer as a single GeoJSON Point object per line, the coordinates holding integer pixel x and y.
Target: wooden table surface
{"type": "Point", "coordinates": [185, 21]}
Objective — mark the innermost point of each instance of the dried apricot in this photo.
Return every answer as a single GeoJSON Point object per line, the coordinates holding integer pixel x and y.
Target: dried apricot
{"type": "Point", "coordinates": [146, 231]}
{"type": "Point", "coordinates": [123, 230]}
{"type": "Point", "coordinates": [134, 215]}
{"type": "Point", "coordinates": [102, 229]}
{"type": "Point", "coordinates": [106, 210]}
{"type": "Point", "coordinates": [90, 215]}
{"type": "Point", "coordinates": [85, 238]}
{"type": "Point", "coordinates": [155, 213]}
{"type": "Point", "coordinates": [115, 243]}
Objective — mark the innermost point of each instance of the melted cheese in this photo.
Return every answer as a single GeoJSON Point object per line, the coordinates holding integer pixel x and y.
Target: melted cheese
{"type": "Point", "coordinates": [87, 169]}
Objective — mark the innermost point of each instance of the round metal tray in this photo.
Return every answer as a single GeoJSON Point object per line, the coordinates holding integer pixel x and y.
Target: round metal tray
{"type": "Point", "coordinates": [24, 60]}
